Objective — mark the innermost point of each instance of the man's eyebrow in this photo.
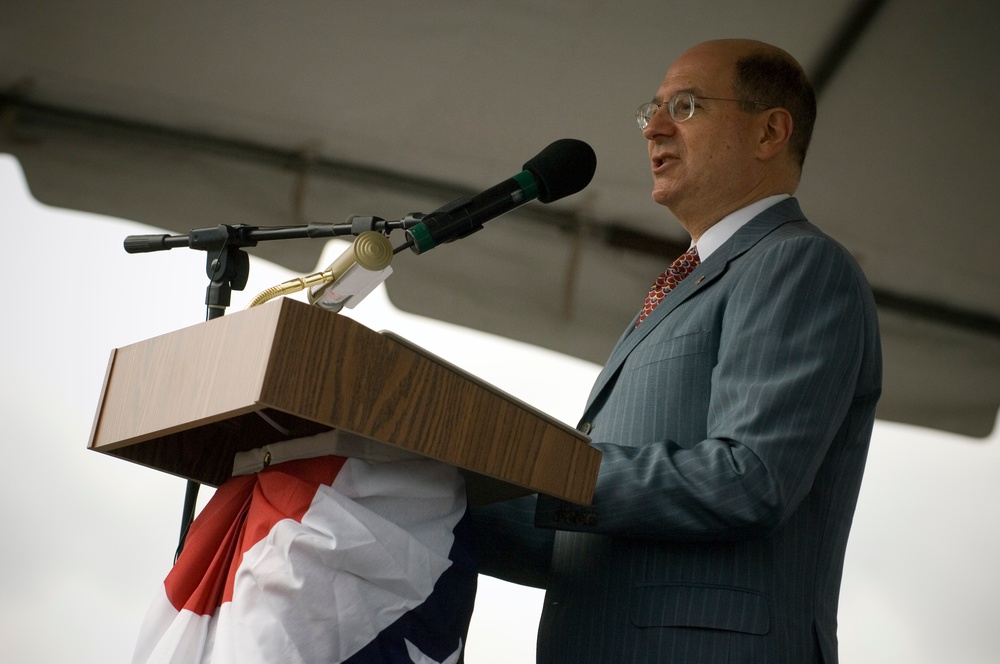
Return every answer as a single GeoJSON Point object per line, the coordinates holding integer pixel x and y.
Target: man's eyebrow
{"type": "Point", "coordinates": [694, 91]}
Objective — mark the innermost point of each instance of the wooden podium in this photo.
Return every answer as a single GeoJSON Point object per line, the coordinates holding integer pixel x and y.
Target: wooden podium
{"type": "Point", "coordinates": [187, 401]}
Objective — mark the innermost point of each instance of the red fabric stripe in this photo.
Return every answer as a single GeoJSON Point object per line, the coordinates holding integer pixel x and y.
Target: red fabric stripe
{"type": "Point", "coordinates": [240, 514]}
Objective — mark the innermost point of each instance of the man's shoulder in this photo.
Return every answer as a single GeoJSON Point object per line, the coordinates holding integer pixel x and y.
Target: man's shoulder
{"type": "Point", "coordinates": [785, 221]}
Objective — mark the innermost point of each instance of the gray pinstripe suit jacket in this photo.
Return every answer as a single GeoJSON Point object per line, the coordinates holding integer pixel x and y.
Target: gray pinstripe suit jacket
{"type": "Point", "coordinates": [734, 424]}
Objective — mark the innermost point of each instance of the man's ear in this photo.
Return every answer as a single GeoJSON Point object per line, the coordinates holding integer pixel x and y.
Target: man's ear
{"type": "Point", "coordinates": [776, 132]}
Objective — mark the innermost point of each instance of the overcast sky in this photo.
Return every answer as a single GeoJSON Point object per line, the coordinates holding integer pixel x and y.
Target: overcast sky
{"type": "Point", "coordinates": [88, 538]}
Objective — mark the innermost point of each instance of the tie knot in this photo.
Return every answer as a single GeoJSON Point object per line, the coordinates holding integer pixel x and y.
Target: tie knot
{"type": "Point", "coordinates": [689, 257]}
{"type": "Point", "coordinates": [666, 282]}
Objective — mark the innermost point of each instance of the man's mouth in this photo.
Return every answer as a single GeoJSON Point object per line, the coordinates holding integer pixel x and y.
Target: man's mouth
{"type": "Point", "coordinates": [660, 161]}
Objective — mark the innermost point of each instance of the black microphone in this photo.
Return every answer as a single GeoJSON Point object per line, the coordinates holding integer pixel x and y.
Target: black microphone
{"type": "Point", "coordinates": [562, 169]}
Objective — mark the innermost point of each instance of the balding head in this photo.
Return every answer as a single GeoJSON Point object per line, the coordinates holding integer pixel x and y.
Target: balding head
{"type": "Point", "coordinates": [736, 139]}
{"type": "Point", "coordinates": [765, 73]}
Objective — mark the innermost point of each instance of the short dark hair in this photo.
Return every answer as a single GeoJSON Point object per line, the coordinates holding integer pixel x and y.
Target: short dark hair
{"type": "Point", "coordinates": [775, 78]}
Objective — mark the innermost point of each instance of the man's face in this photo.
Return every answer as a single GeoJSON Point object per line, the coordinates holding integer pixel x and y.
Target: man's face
{"type": "Point", "coordinates": [702, 168]}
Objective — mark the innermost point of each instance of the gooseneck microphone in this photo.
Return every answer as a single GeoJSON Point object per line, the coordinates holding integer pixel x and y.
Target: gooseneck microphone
{"type": "Point", "coordinates": [563, 168]}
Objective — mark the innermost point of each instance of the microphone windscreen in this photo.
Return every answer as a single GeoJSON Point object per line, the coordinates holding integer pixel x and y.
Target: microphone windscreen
{"type": "Point", "coordinates": [563, 168]}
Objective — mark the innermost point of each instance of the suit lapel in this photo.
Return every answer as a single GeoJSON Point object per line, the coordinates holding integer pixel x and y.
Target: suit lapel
{"type": "Point", "coordinates": [702, 278]}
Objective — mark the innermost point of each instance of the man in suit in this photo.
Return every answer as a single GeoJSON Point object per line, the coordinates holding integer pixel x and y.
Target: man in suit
{"type": "Point", "coordinates": [734, 414]}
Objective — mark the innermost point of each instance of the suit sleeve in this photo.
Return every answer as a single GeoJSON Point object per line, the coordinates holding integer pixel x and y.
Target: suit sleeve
{"type": "Point", "coordinates": [788, 359]}
{"type": "Point", "coordinates": [510, 547]}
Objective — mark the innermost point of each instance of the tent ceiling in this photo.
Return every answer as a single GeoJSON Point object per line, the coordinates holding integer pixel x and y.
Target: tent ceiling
{"type": "Point", "coordinates": [185, 115]}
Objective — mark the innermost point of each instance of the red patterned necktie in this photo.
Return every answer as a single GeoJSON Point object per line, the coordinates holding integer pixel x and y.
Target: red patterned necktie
{"type": "Point", "coordinates": [666, 282]}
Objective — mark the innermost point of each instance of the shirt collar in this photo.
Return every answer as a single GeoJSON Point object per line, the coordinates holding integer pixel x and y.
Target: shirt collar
{"type": "Point", "coordinates": [726, 227]}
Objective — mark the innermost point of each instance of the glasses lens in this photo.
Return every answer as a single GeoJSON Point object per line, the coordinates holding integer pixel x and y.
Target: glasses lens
{"type": "Point", "coordinates": [681, 106]}
{"type": "Point", "coordinates": [644, 114]}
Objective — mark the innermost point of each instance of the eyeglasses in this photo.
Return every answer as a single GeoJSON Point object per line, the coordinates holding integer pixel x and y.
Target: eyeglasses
{"type": "Point", "coordinates": [681, 107]}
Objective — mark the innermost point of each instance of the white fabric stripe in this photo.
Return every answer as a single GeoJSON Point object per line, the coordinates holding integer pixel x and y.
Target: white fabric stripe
{"type": "Point", "coordinates": [335, 442]}
{"type": "Point", "coordinates": [171, 637]}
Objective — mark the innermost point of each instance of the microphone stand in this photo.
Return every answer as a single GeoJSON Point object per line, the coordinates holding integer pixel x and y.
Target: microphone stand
{"type": "Point", "coordinates": [228, 268]}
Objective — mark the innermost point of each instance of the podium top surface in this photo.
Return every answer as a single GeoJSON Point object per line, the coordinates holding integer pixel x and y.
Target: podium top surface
{"type": "Point", "coordinates": [187, 401]}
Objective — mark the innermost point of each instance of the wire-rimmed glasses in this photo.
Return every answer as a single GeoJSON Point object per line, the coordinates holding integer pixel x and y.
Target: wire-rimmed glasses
{"type": "Point", "coordinates": [681, 107]}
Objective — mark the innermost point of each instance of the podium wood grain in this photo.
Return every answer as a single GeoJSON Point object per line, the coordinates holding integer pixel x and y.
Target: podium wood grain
{"type": "Point", "coordinates": [187, 401]}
